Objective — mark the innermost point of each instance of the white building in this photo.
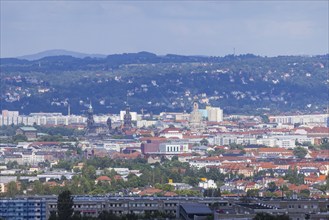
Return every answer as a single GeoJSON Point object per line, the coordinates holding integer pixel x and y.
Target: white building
{"type": "Point", "coordinates": [134, 115]}
{"type": "Point", "coordinates": [208, 184]}
{"type": "Point", "coordinates": [146, 123]}
{"type": "Point", "coordinates": [13, 117]}
{"type": "Point", "coordinates": [204, 162]}
{"type": "Point", "coordinates": [225, 140]}
{"type": "Point", "coordinates": [215, 114]}
{"type": "Point", "coordinates": [174, 148]}
{"type": "Point", "coordinates": [315, 119]}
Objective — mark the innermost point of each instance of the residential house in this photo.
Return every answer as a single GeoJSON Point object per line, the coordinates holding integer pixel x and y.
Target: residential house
{"type": "Point", "coordinates": [103, 179]}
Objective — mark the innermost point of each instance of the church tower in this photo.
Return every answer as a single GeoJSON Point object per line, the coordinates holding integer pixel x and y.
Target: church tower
{"type": "Point", "coordinates": [195, 121]}
{"type": "Point", "coordinates": [90, 118]}
{"type": "Point", "coordinates": [127, 119]}
{"type": "Point", "coordinates": [109, 124]}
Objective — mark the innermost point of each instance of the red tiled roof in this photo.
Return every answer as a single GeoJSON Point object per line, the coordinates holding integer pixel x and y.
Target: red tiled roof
{"type": "Point", "coordinates": [168, 130]}
{"type": "Point", "coordinates": [319, 130]}
{"type": "Point", "coordinates": [103, 178]}
{"type": "Point", "coordinates": [149, 191]}
{"type": "Point", "coordinates": [170, 194]}
{"type": "Point", "coordinates": [117, 177]}
{"type": "Point", "coordinates": [126, 156]}
{"type": "Point", "coordinates": [273, 149]}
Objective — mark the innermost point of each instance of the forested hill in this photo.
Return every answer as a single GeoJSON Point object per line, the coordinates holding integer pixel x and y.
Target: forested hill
{"type": "Point", "coordinates": [239, 84]}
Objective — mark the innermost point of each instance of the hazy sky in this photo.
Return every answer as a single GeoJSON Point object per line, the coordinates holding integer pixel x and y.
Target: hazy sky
{"type": "Point", "coordinates": [180, 27]}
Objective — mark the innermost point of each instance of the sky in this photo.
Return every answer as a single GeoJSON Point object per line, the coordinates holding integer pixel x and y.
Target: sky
{"type": "Point", "coordinates": [212, 28]}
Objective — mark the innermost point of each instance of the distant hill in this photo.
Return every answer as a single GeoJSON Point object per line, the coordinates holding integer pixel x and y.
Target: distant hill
{"type": "Point", "coordinates": [238, 84]}
{"type": "Point", "coordinates": [50, 53]}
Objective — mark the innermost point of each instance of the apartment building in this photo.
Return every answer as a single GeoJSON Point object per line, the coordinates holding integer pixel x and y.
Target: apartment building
{"type": "Point", "coordinates": [13, 117]}
{"type": "Point", "coordinates": [24, 208]}
{"type": "Point", "coordinates": [314, 119]}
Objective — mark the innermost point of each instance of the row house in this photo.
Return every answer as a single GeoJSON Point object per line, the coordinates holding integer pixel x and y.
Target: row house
{"type": "Point", "coordinates": [278, 181]}
{"type": "Point", "coordinates": [274, 152]}
{"type": "Point", "coordinates": [315, 119]}
{"type": "Point", "coordinates": [313, 179]}
{"type": "Point", "coordinates": [13, 157]}
{"type": "Point", "coordinates": [200, 162]}
{"type": "Point", "coordinates": [172, 133]}
{"type": "Point", "coordinates": [321, 168]}
{"type": "Point", "coordinates": [236, 159]}
{"type": "Point", "coordinates": [237, 169]}
{"type": "Point", "coordinates": [245, 185]}
{"type": "Point", "coordinates": [32, 158]}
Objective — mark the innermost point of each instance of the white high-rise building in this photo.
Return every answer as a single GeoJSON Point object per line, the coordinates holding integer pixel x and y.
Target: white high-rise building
{"type": "Point", "coordinates": [214, 114]}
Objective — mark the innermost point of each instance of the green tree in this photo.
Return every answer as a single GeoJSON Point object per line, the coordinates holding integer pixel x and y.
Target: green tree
{"type": "Point", "coordinates": [65, 205]}
{"type": "Point", "coordinates": [253, 192]}
{"type": "Point", "coordinates": [12, 165]}
{"type": "Point", "coordinates": [212, 192]}
{"type": "Point", "coordinates": [300, 152]}
{"type": "Point", "coordinates": [265, 118]}
{"type": "Point", "coordinates": [89, 172]}
{"type": "Point", "coordinates": [324, 144]}
{"type": "Point", "coordinates": [204, 142]}
{"type": "Point", "coordinates": [174, 158]}
{"type": "Point", "coordinates": [12, 189]}
{"type": "Point", "coordinates": [105, 215]}
{"type": "Point", "coordinates": [272, 186]}
{"type": "Point", "coordinates": [38, 188]}
{"type": "Point", "coordinates": [52, 216]}
{"type": "Point", "coordinates": [305, 193]}
{"type": "Point", "coordinates": [77, 216]}
{"type": "Point", "coordinates": [293, 177]}
{"type": "Point", "coordinates": [19, 137]}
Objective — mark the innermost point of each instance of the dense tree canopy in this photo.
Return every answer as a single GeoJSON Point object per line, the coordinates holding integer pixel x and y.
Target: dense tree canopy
{"type": "Point", "coordinates": [300, 152]}
{"type": "Point", "coordinates": [65, 205]}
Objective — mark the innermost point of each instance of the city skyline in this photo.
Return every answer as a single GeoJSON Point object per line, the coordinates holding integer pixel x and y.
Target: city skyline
{"type": "Point", "coordinates": [180, 27]}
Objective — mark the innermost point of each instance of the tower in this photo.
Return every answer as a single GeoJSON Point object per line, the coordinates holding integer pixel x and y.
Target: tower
{"type": "Point", "coordinates": [68, 110]}
{"type": "Point", "coordinates": [109, 124]}
{"type": "Point", "coordinates": [195, 121]}
{"type": "Point", "coordinates": [127, 119]}
{"type": "Point", "coordinates": [90, 118]}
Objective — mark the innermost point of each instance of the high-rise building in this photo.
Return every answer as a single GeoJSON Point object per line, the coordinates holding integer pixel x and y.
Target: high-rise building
{"type": "Point", "coordinates": [6, 113]}
{"type": "Point", "coordinates": [215, 114]}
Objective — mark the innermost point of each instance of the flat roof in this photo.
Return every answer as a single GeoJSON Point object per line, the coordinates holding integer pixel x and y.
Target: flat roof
{"type": "Point", "coordinates": [28, 128]}
{"type": "Point", "coordinates": [196, 208]}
